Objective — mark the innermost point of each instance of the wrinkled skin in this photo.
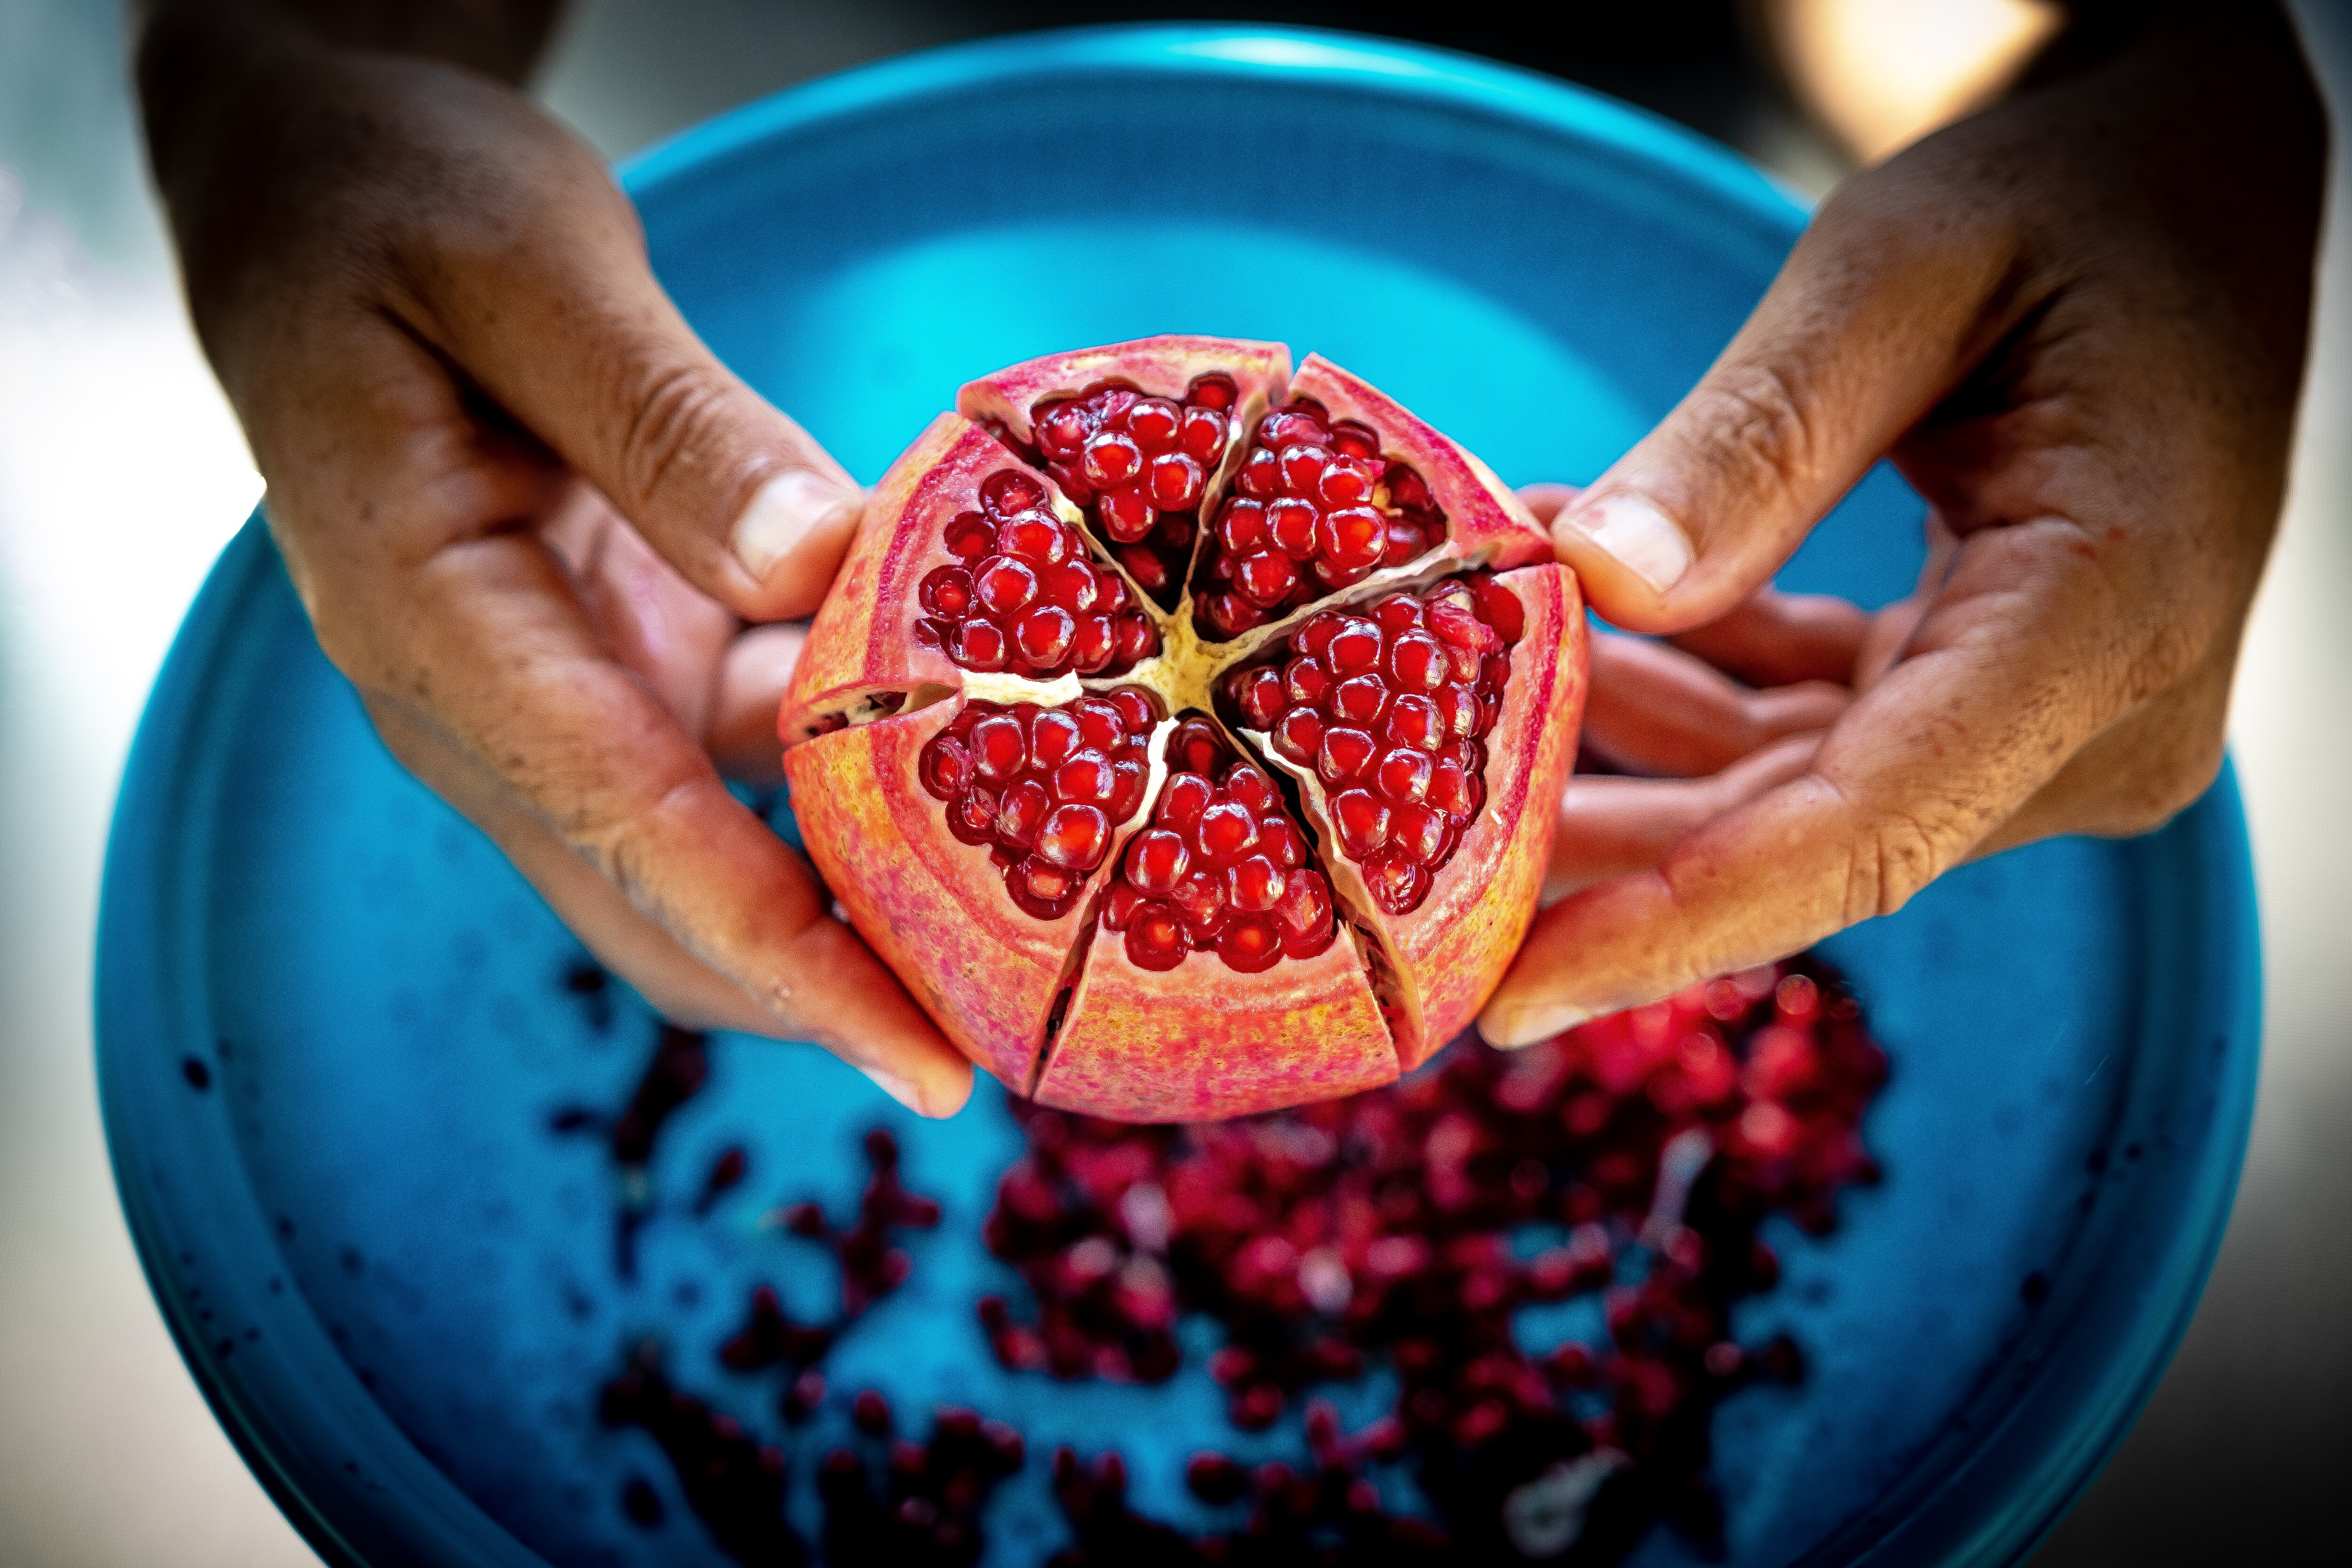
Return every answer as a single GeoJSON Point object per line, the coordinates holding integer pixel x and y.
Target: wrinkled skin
{"type": "Point", "coordinates": [2077, 323]}
{"type": "Point", "coordinates": [531, 516]}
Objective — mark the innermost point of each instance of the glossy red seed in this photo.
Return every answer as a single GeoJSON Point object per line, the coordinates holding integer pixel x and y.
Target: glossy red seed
{"type": "Point", "coordinates": [1148, 571]}
{"type": "Point", "coordinates": [1183, 802]}
{"type": "Point", "coordinates": [1035, 537]}
{"type": "Point", "coordinates": [1128, 779]}
{"type": "Point", "coordinates": [1004, 584]}
{"type": "Point", "coordinates": [1200, 898]}
{"type": "Point", "coordinates": [1019, 813]}
{"type": "Point", "coordinates": [1415, 722]}
{"type": "Point", "coordinates": [1299, 735]}
{"type": "Point", "coordinates": [1119, 905]}
{"type": "Point", "coordinates": [1242, 527]}
{"type": "Point", "coordinates": [1396, 614]}
{"type": "Point", "coordinates": [1126, 514]}
{"type": "Point", "coordinates": [1344, 756]}
{"type": "Point", "coordinates": [1136, 638]}
{"type": "Point", "coordinates": [1227, 832]}
{"type": "Point", "coordinates": [1100, 721]}
{"type": "Point", "coordinates": [1009, 490]}
{"type": "Point", "coordinates": [1457, 710]}
{"type": "Point", "coordinates": [1153, 422]}
{"type": "Point", "coordinates": [1279, 839]}
{"type": "Point", "coordinates": [1501, 609]}
{"type": "Point", "coordinates": [1266, 579]}
{"type": "Point", "coordinates": [1303, 467]}
{"type": "Point", "coordinates": [1074, 837]}
{"type": "Point", "coordinates": [970, 536]}
{"type": "Point", "coordinates": [1315, 635]}
{"type": "Point", "coordinates": [1419, 831]}
{"type": "Point", "coordinates": [1306, 682]}
{"type": "Point", "coordinates": [1252, 788]}
{"type": "Point", "coordinates": [1053, 736]}
{"type": "Point", "coordinates": [946, 767]}
{"type": "Point", "coordinates": [1202, 435]}
{"type": "Point", "coordinates": [978, 645]}
{"type": "Point", "coordinates": [1197, 747]}
{"type": "Point", "coordinates": [1259, 694]}
{"type": "Point", "coordinates": [1397, 883]}
{"type": "Point", "coordinates": [1352, 538]}
{"type": "Point", "coordinates": [1300, 423]}
{"type": "Point", "coordinates": [1000, 749]}
{"type": "Point", "coordinates": [1261, 474]}
{"type": "Point", "coordinates": [1086, 778]}
{"type": "Point", "coordinates": [1359, 700]}
{"type": "Point", "coordinates": [1404, 775]}
{"type": "Point", "coordinates": [1111, 459]}
{"type": "Point", "coordinates": [1291, 524]}
{"type": "Point", "coordinates": [1254, 885]}
{"type": "Point", "coordinates": [1156, 939]}
{"type": "Point", "coordinates": [1250, 945]}
{"type": "Point", "coordinates": [1072, 585]}
{"type": "Point", "coordinates": [1156, 859]}
{"type": "Point", "coordinates": [1061, 429]}
{"type": "Point", "coordinates": [1416, 663]}
{"type": "Point", "coordinates": [1354, 647]}
{"type": "Point", "coordinates": [1175, 482]}
{"type": "Point", "coordinates": [1093, 643]}
{"type": "Point", "coordinates": [1042, 634]}
{"type": "Point", "coordinates": [1214, 390]}
{"type": "Point", "coordinates": [1356, 440]}
{"type": "Point", "coordinates": [1362, 820]}
{"type": "Point", "coordinates": [947, 591]}
{"type": "Point", "coordinates": [1139, 710]}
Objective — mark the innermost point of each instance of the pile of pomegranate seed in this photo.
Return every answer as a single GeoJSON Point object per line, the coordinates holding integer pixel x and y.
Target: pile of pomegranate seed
{"type": "Point", "coordinates": [1043, 787]}
{"type": "Point", "coordinates": [926, 1508]}
{"type": "Point", "coordinates": [1139, 465]}
{"type": "Point", "coordinates": [1024, 595]}
{"type": "Point", "coordinates": [733, 1482]}
{"type": "Point", "coordinates": [1389, 706]}
{"type": "Point", "coordinates": [1385, 1225]}
{"type": "Point", "coordinates": [1314, 509]}
{"type": "Point", "coordinates": [1222, 869]}
{"type": "Point", "coordinates": [674, 1074]}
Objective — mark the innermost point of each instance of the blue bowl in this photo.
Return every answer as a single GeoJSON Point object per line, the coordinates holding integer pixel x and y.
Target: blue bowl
{"type": "Point", "coordinates": [332, 1026]}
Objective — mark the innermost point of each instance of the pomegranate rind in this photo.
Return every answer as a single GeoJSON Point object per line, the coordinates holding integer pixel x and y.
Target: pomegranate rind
{"type": "Point", "coordinates": [1486, 523]}
{"type": "Point", "coordinates": [1444, 958]}
{"type": "Point", "coordinates": [863, 636]}
{"type": "Point", "coordinates": [932, 907]}
{"type": "Point", "coordinates": [1163, 366]}
{"type": "Point", "coordinates": [1202, 1041]}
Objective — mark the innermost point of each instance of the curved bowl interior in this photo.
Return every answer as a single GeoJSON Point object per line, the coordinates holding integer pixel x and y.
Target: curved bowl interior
{"type": "Point", "coordinates": [334, 1028]}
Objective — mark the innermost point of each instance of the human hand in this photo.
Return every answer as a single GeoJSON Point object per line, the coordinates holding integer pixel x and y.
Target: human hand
{"type": "Point", "coordinates": [431, 310]}
{"type": "Point", "coordinates": [2077, 324]}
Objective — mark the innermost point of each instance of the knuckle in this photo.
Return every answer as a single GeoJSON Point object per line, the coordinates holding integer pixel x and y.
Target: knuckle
{"type": "Point", "coordinates": [672, 415]}
{"type": "Point", "coordinates": [1753, 416]}
{"type": "Point", "coordinates": [1889, 864]}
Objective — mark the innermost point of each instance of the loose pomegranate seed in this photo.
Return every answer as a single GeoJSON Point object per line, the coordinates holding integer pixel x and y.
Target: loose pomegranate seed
{"type": "Point", "coordinates": [1315, 507]}
{"type": "Point", "coordinates": [1388, 707]}
{"type": "Point", "coordinates": [1024, 597]}
{"type": "Point", "coordinates": [1138, 467]}
{"type": "Point", "coordinates": [1044, 788]}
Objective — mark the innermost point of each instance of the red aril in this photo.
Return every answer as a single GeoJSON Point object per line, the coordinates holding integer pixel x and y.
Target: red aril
{"type": "Point", "coordinates": [1151, 858]}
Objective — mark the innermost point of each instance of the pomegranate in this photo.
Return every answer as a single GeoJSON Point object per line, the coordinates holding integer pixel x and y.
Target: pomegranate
{"type": "Point", "coordinates": [1186, 732]}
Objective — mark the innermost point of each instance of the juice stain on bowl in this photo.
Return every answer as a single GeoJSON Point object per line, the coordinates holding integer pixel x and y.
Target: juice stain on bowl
{"type": "Point", "coordinates": [1446, 1233]}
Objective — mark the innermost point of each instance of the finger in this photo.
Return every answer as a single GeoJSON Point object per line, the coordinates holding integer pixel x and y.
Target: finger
{"type": "Point", "coordinates": [1609, 826]}
{"type": "Point", "coordinates": [590, 763]}
{"type": "Point", "coordinates": [1653, 709]}
{"type": "Point", "coordinates": [1772, 639]}
{"type": "Point", "coordinates": [553, 310]}
{"type": "Point", "coordinates": [751, 680]}
{"type": "Point", "coordinates": [1885, 301]}
{"type": "Point", "coordinates": [2008, 680]}
{"type": "Point", "coordinates": [649, 620]}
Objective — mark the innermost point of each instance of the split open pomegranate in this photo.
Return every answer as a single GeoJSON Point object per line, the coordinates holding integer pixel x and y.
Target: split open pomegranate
{"type": "Point", "coordinates": [1188, 733]}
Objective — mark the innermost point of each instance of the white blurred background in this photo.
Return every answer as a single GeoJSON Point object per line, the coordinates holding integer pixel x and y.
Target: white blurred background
{"type": "Point", "coordinates": [121, 475]}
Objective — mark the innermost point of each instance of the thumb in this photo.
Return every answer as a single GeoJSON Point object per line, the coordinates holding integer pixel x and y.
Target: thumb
{"type": "Point", "coordinates": [1885, 302]}
{"type": "Point", "coordinates": [567, 330]}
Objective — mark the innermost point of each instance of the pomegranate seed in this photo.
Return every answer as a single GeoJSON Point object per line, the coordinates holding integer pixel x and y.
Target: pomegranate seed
{"type": "Point", "coordinates": [1138, 710]}
{"type": "Point", "coordinates": [1215, 390]}
{"type": "Point", "coordinates": [1292, 523]}
{"type": "Point", "coordinates": [1417, 663]}
{"type": "Point", "coordinates": [1044, 634]}
{"type": "Point", "coordinates": [1200, 900]}
{"type": "Point", "coordinates": [1074, 837]}
{"type": "Point", "coordinates": [1018, 812]}
{"type": "Point", "coordinates": [1202, 435]}
{"type": "Point", "coordinates": [1344, 756]}
{"type": "Point", "coordinates": [1344, 483]}
{"type": "Point", "coordinates": [999, 747]}
{"type": "Point", "coordinates": [1100, 724]}
{"type": "Point", "coordinates": [970, 536]}
{"type": "Point", "coordinates": [946, 767]}
{"type": "Point", "coordinates": [1260, 694]}
{"type": "Point", "coordinates": [1155, 860]}
{"type": "Point", "coordinates": [1054, 736]}
{"type": "Point", "coordinates": [1061, 429]}
{"type": "Point", "coordinates": [1397, 883]}
{"type": "Point", "coordinates": [1352, 648]}
{"type": "Point", "coordinates": [1035, 537]}
{"type": "Point", "coordinates": [1359, 698]}
{"type": "Point", "coordinates": [1127, 516]}
{"type": "Point", "coordinates": [978, 645]}
{"type": "Point", "coordinates": [1227, 832]}
{"type": "Point", "coordinates": [1252, 788]}
{"type": "Point", "coordinates": [1302, 469]}
{"type": "Point", "coordinates": [1415, 722]}
{"type": "Point", "coordinates": [1352, 538]}
{"type": "Point", "coordinates": [1280, 841]}
{"type": "Point", "coordinates": [1298, 735]}
{"type": "Point", "coordinates": [1176, 482]}
{"type": "Point", "coordinates": [1111, 459]}
{"type": "Point", "coordinates": [1261, 474]}
{"type": "Point", "coordinates": [1404, 775]}
{"type": "Point", "coordinates": [1362, 820]}
{"type": "Point", "coordinates": [1136, 638]}
{"type": "Point", "coordinates": [1254, 885]}
{"type": "Point", "coordinates": [1153, 422]}
{"type": "Point", "coordinates": [1155, 938]}
{"type": "Point", "coordinates": [1250, 945]}
{"type": "Point", "coordinates": [1072, 585]}
{"type": "Point", "coordinates": [1086, 778]}
{"type": "Point", "coordinates": [1242, 527]}
{"type": "Point", "coordinates": [1265, 580]}
{"type": "Point", "coordinates": [947, 591]}
{"type": "Point", "coordinates": [1094, 643]}
{"type": "Point", "coordinates": [1419, 832]}
{"type": "Point", "coordinates": [1183, 802]}
{"type": "Point", "coordinates": [1009, 490]}
{"type": "Point", "coordinates": [1306, 682]}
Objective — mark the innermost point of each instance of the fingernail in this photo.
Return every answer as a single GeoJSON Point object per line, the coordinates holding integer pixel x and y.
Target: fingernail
{"type": "Point", "coordinates": [1526, 1025]}
{"type": "Point", "coordinates": [897, 1087]}
{"type": "Point", "coordinates": [783, 513]}
{"type": "Point", "coordinates": [1643, 540]}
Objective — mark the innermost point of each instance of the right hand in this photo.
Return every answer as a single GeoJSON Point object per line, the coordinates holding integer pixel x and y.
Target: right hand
{"type": "Point", "coordinates": [529, 514]}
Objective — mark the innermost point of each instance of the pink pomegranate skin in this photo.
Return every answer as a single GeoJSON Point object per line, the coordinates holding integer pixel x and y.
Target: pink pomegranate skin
{"type": "Point", "coordinates": [1055, 1008]}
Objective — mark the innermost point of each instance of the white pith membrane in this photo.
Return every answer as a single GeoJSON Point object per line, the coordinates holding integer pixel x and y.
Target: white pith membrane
{"type": "Point", "coordinates": [1184, 676]}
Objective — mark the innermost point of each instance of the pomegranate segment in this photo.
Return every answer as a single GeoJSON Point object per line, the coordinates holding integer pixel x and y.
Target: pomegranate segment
{"type": "Point", "coordinates": [1315, 507]}
{"type": "Point", "coordinates": [1044, 789]}
{"type": "Point", "coordinates": [1223, 867]}
{"type": "Point", "coordinates": [1023, 594]}
{"type": "Point", "coordinates": [1387, 705]}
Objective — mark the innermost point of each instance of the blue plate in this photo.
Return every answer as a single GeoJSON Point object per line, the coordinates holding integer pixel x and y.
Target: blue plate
{"type": "Point", "coordinates": [332, 1024]}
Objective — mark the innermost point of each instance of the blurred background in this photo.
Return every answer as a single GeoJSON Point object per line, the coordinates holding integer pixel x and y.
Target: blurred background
{"type": "Point", "coordinates": [121, 475]}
